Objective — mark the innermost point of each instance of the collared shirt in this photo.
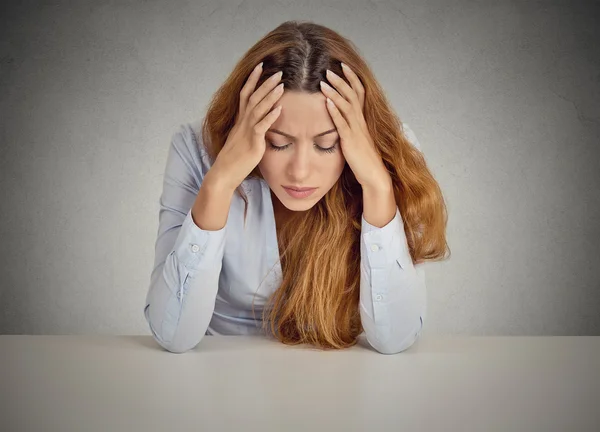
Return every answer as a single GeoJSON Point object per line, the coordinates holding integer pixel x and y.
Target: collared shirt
{"type": "Point", "coordinates": [208, 282]}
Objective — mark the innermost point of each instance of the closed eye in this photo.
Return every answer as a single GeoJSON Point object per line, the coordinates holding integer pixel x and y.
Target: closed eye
{"type": "Point", "coordinates": [319, 148]}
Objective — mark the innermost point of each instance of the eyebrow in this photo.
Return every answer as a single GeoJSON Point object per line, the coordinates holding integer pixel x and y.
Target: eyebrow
{"type": "Point", "coordinates": [293, 137]}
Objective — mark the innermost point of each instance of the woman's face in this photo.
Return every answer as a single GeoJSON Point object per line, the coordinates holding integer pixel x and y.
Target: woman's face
{"type": "Point", "coordinates": [301, 161]}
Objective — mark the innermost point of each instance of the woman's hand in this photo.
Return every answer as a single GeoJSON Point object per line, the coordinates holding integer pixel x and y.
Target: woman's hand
{"type": "Point", "coordinates": [346, 110]}
{"type": "Point", "coordinates": [245, 144]}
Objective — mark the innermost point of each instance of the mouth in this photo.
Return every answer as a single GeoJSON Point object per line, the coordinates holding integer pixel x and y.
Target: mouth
{"type": "Point", "coordinates": [304, 189]}
{"type": "Point", "coordinates": [295, 193]}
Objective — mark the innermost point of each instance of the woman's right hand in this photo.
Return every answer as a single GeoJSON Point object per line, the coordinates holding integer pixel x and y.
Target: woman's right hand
{"type": "Point", "coordinates": [245, 144]}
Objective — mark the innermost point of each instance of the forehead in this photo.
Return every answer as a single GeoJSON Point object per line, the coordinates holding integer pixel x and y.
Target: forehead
{"type": "Point", "coordinates": [303, 114]}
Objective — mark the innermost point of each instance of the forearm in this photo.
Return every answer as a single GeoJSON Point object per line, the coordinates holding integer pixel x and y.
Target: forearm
{"type": "Point", "coordinates": [379, 203]}
{"type": "Point", "coordinates": [392, 289]}
{"type": "Point", "coordinates": [211, 207]}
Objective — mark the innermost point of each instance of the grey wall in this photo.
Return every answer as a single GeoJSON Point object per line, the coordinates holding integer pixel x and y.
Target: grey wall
{"type": "Point", "coordinates": [503, 97]}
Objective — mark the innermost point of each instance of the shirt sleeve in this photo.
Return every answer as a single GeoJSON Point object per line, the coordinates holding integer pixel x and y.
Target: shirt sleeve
{"type": "Point", "coordinates": [188, 260]}
{"type": "Point", "coordinates": [393, 301]}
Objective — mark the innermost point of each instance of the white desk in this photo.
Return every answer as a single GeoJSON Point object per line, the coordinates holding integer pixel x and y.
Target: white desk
{"type": "Point", "coordinates": [236, 383]}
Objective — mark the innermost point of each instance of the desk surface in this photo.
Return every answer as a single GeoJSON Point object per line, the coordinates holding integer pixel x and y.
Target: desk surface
{"type": "Point", "coordinates": [250, 383]}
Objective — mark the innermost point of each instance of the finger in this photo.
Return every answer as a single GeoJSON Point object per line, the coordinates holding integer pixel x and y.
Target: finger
{"type": "Point", "coordinates": [249, 87]}
{"type": "Point", "coordinates": [340, 122]}
{"type": "Point", "coordinates": [261, 93]}
{"type": "Point", "coordinates": [263, 126]}
{"type": "Point", "coordinates": [259, 111]}
{"type": "Point", "coordinates": [341, 104]}
{"type": "Point", "coordinates": [356, 84]}
{"type": "Point", "coordinates": [345, 90]}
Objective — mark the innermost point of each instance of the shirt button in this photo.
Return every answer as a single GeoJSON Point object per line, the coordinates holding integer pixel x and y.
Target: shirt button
{"type": "Point", "coordinates": [374, 248]}
{"type": "Point", "coordinates": [378, 297]}
{"type": "Point", "coordinates": [179, 295]}
{"type": "Point", "coordinates": [195, 248]}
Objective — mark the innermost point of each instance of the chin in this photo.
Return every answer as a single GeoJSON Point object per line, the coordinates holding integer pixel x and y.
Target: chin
{"type": "Point", "coordinates": [295, 204]}
{"type": "Point", "coordinates": [300, 207]}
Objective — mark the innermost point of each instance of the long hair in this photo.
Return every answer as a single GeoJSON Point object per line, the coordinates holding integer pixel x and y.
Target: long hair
{"type": "Point", "coordinates": [318, 300]}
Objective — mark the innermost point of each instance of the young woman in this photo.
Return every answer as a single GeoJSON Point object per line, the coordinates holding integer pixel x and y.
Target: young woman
{"type": "Point", "coordinates": [288, 216]}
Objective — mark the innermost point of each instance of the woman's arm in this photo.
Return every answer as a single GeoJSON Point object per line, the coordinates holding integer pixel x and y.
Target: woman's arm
{"type": "Point", "coordinates": [393, 302]}
{"type": "Point", "coordinates": [393, 297]}
{"type": "Point", "coordinates": [189, 248]}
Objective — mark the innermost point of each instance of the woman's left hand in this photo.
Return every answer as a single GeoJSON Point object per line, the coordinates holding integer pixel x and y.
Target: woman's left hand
{"type": "Point", "coordinates": [356, 143]}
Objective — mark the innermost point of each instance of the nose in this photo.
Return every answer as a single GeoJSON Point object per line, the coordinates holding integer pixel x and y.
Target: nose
{"type": "Point", "coordinates": [299, 165]}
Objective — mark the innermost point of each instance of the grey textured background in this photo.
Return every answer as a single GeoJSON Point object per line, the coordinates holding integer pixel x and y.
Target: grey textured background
{"type": "Point", "coordinates": [503, 97]}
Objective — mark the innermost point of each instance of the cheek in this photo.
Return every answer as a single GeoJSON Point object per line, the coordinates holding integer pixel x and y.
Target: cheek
{"type": "Point", "coordinates": [331, 170]}
{"type": "Point", "coordinates": [268, 166]}
{"type": "Point", "coordinates": [336, 165]}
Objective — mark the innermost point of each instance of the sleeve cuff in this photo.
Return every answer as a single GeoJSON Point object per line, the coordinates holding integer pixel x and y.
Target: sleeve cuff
{"type": "Point", "coordinates": [386, 229]}
{"type": "Point", "coordinates": [196, 247]}
{"type": "Point", "coordinates": [386, 244]}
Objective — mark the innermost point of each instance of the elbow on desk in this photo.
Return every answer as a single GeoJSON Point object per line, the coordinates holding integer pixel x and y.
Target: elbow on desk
{"type": "Point", "coordinates": [392, 348]}
{"type": "Point", "coordinates": [174, 346]}
{"type": "Point", "coordinates": [395, 347]}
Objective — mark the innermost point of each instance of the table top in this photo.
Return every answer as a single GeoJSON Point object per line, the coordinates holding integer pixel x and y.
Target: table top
{"type": "Point", "coordinates": [252, 383]}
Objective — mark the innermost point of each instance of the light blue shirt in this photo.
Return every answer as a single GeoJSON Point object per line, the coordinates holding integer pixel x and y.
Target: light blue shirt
{"type": "Point", "coordinates": [204, 282]}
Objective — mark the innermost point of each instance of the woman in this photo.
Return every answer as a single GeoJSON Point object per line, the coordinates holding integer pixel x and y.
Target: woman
{"type": "Point", "coordinates": [323, 265]}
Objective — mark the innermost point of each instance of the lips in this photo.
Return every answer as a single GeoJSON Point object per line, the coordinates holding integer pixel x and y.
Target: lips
{"type": "Point", "coordinates": [299, 189]}
{"type": "Point", "coordinates": [299, 194]}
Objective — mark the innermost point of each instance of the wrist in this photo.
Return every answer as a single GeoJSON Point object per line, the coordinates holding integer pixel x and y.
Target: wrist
{"type": "Point", "coordinates": [215, 182]}
{"type": "Point", "coordinates": [382, 186]}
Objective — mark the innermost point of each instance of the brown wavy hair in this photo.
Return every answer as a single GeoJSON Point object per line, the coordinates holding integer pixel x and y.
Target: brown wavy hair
{"type": "Point", "coordinates": [318, 300]}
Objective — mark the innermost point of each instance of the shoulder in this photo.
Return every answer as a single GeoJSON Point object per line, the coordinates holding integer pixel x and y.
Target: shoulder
{"type": "Point", "coordinates": [411, 136]}
{"type": "Point", "coordinates": [187, 143]}
{"type": "Point", "coordinates": [195, 130]}
{"type": "Point", "coordinates": [189, 135]}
